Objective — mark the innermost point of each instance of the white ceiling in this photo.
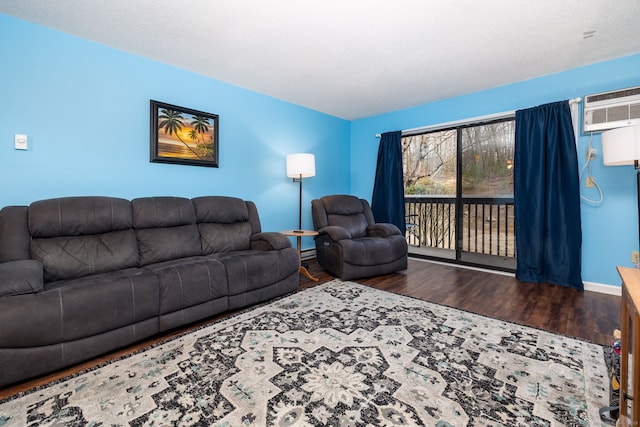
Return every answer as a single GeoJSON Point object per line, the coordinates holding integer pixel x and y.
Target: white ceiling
{"type": "Point", "coordinates": [354, 58]}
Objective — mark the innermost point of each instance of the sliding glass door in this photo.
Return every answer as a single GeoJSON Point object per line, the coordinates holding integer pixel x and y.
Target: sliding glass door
{"type": "Point", "coordinates": [459, 194]}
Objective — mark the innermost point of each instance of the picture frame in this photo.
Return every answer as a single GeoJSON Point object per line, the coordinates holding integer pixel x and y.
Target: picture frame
{"type": "Point", "coordinates": [183, 136]}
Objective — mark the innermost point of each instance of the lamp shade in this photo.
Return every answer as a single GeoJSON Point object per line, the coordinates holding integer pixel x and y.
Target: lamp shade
{"type": "Point", "coordinates": [301, 165]}
{"type": "Point", "coordinates": [621, 146]}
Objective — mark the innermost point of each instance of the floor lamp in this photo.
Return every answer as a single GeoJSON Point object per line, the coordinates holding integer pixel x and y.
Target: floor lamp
{"type": "Point", "coordinates": [301, 165]}
{"type": "Point", "coordinates": [622, 147]}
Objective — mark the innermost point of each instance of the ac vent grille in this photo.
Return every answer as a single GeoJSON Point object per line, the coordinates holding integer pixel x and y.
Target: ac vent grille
{"type": "Point", "coordinates": [614, 95]}
{"type": "Point", "coordinates": [613, 114]}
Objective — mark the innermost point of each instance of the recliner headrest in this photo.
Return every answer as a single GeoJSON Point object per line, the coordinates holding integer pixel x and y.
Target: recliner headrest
{"type": "Point", "coordinates": [342, 205]}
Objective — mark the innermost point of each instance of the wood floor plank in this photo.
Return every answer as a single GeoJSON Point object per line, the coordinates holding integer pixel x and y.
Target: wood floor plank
{"type": "Point", "coordinates": [586, 315]}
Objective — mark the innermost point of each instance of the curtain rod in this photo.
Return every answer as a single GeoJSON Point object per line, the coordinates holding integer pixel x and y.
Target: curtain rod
{"type": "Point", "coordinates": [495, 116]}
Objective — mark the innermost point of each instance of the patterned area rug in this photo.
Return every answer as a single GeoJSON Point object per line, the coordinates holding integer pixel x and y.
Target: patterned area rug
{"type": "Point", "coordinates": [337, 354]}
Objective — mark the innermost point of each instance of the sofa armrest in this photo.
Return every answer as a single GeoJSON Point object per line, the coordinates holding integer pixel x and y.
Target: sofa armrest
{"type": "Point", "coordinates": [383, 229]}
{"type": "Point", "coordinates": [269, 241]}
{"type": "Point", "coordinates": [21, 277]}
{"type": "Point", "coordinates": [335, 233]}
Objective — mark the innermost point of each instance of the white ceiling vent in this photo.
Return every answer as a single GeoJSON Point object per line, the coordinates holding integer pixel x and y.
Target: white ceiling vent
{"type": "Point", "coordinates": [610, 110]}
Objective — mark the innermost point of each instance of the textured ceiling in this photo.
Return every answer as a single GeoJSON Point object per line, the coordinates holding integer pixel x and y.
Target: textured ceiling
{"type": "Point", "coordinates": [354, 58]}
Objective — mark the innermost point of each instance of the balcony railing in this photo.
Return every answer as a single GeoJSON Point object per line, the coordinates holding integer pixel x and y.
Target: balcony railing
{"type": "Point", "coordinates": [487, 224]}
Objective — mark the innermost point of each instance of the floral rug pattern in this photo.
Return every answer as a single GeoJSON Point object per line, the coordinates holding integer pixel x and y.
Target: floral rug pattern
{"type": "Point", "coordinates": [337, 354]}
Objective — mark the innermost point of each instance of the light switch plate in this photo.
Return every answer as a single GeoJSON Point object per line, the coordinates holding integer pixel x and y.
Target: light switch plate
{"type": "Point", "coordinates": [20, 142]}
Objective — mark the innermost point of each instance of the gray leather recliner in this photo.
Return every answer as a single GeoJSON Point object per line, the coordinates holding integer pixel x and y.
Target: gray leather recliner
{"type": "Point", "coordinates": [350, 244]}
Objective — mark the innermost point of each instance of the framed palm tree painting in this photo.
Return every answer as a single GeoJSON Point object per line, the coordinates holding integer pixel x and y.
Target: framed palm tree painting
{"type": "Point", "coordinates": [183, 136]}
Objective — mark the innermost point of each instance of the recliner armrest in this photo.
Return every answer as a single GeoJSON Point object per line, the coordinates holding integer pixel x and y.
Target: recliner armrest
{"type": "Point", "coordinates": [382, 229]}
{"type": "Point", "coordinates": [269, 241]}
{"type": "Point", "coordinates": [335, 232]}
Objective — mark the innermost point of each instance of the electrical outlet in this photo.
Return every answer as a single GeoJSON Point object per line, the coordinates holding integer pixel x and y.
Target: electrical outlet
{"type": "Point", "coordinates": [591, 153]}
{"type": "Point", "coordinates": [590, 182]}
{"type": "Point", "coordinates": [635, 257]}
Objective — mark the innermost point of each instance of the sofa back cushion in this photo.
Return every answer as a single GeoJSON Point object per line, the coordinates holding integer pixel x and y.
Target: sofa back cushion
{"type": "Point", "coordinates": [166, 228]}
{"type": "Point", "coordinates": [224, 223]}
{"type": "Point", "coordinates": [78, 236]}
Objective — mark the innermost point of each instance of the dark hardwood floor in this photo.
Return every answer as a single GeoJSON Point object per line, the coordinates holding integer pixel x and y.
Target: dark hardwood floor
{"type": "Point", "coordinates": [587, 315]}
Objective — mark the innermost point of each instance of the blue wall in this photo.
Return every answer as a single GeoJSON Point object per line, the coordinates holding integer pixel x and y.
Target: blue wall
{"type": "Point", "coordinates": [610, 230]}
{"type": "Point", "coordinates": [85, 108]}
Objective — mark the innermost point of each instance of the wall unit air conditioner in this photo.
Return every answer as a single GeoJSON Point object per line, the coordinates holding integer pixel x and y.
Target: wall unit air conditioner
{"type": "Point", "coordinates": [609, 110]}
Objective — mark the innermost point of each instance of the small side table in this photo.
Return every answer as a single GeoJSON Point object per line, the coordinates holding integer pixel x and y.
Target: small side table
{"type": "Point", "coordinates": [299, 234]}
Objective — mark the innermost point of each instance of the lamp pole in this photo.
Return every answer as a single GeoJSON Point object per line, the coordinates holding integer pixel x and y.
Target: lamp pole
{"type": "Point", "coordinates": [299, 230]}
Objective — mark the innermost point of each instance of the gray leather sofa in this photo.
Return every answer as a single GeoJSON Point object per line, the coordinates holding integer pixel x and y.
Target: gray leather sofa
{"type": "Point", "coordinates": [82, 276]}
{"type": "Point", "coordinates": [350, 244]}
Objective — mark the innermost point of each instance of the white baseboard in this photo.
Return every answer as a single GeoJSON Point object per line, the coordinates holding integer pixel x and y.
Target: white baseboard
{"type": "Point", "coordinates": [602, 288]}
{"type": "Point", "coordinates": [306, 254]}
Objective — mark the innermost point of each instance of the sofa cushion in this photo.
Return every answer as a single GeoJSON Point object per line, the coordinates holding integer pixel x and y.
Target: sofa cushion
{"type": "Point", "coordinates": [20, 277]}
{"type": "Point", "coordinates": [157, 212]}
{"type": "Point", "coordinates": [165, 228]}
{"type": "Point", "coordinates": [75, 216]}
{"type": "Point", "coordinates": [251, 270]}
{"type": "Point", "coordinates": [79, 236]}
{"type": "Point", "coordinates": [77, 256]}
{"type": "Point", "coordinates": [73, 309]}
{"type": "Point", "coordinates": [220, 209]}
{"type": "Point", "coordinates": [223, 223]}
{"type": "Point", "coordinates": [218, 238]}
{"type": "Point", "coordinates": [163, 244]}
{"type": "Point", "coordinates": [189, 281]}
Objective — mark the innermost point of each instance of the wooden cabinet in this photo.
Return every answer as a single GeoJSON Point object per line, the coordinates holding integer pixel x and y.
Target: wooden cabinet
{"type": "Point", "coordinates": [630, 356]}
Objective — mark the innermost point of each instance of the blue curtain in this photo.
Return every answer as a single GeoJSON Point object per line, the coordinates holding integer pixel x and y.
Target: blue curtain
{"type": "Point", "coordinates": [387, 203]}
{"type": "Point", "coordinates": [547, 197]}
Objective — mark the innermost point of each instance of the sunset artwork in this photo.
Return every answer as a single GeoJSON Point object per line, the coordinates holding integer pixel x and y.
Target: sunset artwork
{"type": "Point", "coordinates": [184, 136]}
